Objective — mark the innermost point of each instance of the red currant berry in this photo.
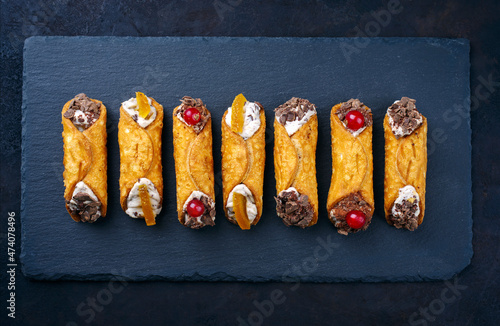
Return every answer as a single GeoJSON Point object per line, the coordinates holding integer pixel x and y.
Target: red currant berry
{"type": "Point", "coordinates": [355, 120]}
{"type": "Point", "coordinates": [195, 208]}
{"type": "Point", "coordinates": [355, 219]}
{"type": "Point", "coordinates": [192, 116]}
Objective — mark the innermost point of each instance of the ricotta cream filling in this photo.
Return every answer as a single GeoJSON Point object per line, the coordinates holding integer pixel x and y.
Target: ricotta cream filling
{"type": "Point", "coordinates": [354, 133]}
{"type": "Point", "coordinates": [398, 131]}
{"type": "Point", "coordinates": [81, 125]}
{"type": "Point", "coordinates": [251, 207]}
{"type": "Point", "coordinates": [293, 126]}
{"type": "Point", "coordinates": [132, 109]}
{"type": "Point", "coordinates": [134, 205]}
{"type": "Point", "coordinates": [252, 119]}
{"type": "Point", "coordinates": [81, 187]}
{"type": "Point", "coordinates": [406, 193]}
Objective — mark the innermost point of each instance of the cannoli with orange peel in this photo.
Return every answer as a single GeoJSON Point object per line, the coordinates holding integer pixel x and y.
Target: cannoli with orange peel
{"type": "Point", "coordinates": [139, 137]}
{"type": "Point", "coordinates": [405, 131]}
{"type": "Point", "coordinates": [85, 158]}
{"type": "Point", "coordinates": [194, 163]}
{"type": "Point", "coordinates": [243, 161]}
{"type": "Point", "coordinates": [295, 140]}
{"type": "Point", "coordinates": [350, 203]}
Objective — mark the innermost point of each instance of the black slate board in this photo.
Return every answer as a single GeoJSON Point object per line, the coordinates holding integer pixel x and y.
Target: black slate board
{"type": "Point", "coordinates": [268, 70]}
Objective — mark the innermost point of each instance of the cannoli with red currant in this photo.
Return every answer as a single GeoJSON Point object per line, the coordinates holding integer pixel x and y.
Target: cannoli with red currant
{"type": "Point", "coordinates": [139, 137]}
{"type": "Point", "coordinates": [350, 201]}
{"type": "Point", "coordinates": [85, 158]}
{"type": "Point", "coordinates": [243, 161]}
{"type": "Point", "coordinates": [295, 139]}
{"type": "Point", "coordinates": [405, 131]}
{"type": "Point", "coordinates": [194, 163]}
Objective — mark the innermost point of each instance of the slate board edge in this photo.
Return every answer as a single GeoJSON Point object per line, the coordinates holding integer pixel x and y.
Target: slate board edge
{"type": "Point", "coordinates": [223, 277]}
{"type": "Point", "coordinates": [23, 161]}
{"type": "Point", "coordinates": [463, 41]}
{"type": "Point", "coordinates": [470, 247]}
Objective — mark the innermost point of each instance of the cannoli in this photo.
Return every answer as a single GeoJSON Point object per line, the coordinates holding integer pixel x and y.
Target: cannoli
{"type": "Point", "coordinates": [405, 131]}
{"type": "Point", "coordinates": [85, 158]}
{"type": "Point", "coordinates": [139, 137]}
{"type": "Point", "coordinates": [194, 164]}
{"type": "Point", "coordinates": [295, 139]}
{"type": "Point", "coordinates": [243, 161]}
{"type": "Point", "coordinates": [350, 201]}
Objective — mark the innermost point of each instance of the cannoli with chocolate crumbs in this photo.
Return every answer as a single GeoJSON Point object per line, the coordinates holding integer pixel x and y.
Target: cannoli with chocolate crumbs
{"type": "Point", "coordinates": [405, 131]}
{"type": "Point", "coordinates": [295, 140]}
{"type": "Point", "coordinates": [85, 158]}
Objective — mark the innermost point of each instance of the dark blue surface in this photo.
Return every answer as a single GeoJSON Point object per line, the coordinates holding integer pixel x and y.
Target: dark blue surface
{"type": "Point", "coordinates": [268, 70]}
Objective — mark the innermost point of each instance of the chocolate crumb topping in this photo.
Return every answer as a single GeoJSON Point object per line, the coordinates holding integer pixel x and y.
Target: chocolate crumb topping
{"type": "Point", "coordinates": [353, 201]}
{"type": "Point", "coordinates": [83, 112]}
{"type": "Point", "coordinates": [294, 208]}
{"type": "Point", "coordinates": [293, 109]}
{"type": "Point", "coordinates": [405, 215]}
{"type": "Point", "coordinates": [206, 219]}
{"type": "Point", "coordinates": [354, 104]}
{"type": "Point", "coordinates": [404, 117]}
{"type": "Point", "coordinates": [189, 102]}
{"type": "Point", "coordinates": [88, 209]}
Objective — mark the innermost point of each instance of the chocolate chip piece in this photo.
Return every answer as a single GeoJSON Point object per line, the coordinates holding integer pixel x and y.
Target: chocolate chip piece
{"type": "Point", "coordinates": [84, 104]}
{"type": "Point", "coordinates": [404, 116]}
{"type": "Point", "coordinates": [405, 215]}
{"type": "Point", "coordinates": [84, 206]}
{"type": "Point", "coordinates": [294, 209]}
{"type": "Point", "coordinates": [70, 113]}
{"type": "Point", "coordinates": [293, 109]}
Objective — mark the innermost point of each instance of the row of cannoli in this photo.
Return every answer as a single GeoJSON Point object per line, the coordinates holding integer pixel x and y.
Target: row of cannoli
{"type": "Point", "coordinates": [350, 202]}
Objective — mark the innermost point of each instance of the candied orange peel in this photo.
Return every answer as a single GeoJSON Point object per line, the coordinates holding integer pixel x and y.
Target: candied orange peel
{"type": "Point", "coordinates": [240, 211]}
{"type": "Point", "coordinates": [149, 216]}
{"type": "Point", "coordinates": [238, 113]}
{"type": "Point", "coordinates": [142, 104]}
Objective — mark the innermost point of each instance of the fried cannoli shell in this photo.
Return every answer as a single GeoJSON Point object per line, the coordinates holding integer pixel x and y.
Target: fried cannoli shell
{"type": "Point", "coordinates": [140, 152]}
{"type": "Point", "coordinates": [295, 161]}
{"type": "Point", "coordinates": [85, 158]}
{"type": "Point", "coordinates": [352, 163]}
{"type": "Point", "coordinates": [405, 164]}
{"type": "Point", "coordinates": [243, 161]}
{"type": "Point", "coordinates": [194, 163]}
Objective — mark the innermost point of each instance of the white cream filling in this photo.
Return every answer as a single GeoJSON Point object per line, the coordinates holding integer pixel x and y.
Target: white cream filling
{"type": "Point", "coordinates": [80, 125]}
{"type": "Point", "coordinates": [406, 193]}
{"type": "Point", "coordinates": [293, 126]}
{"type": "Point", "coordinates": [251, 207]}
{"type": "Point", "coordinates": [398, 132]}
{"type": "Point", "coordinates": [354, 133]}
{"type": "Point", "coordinates": [81, 187]}
{"type": "Point", "coordinates": [252, 119]}
{"type": "Point", "coordinates": [134, 206]}
{"type": "Point", "coordinates": [196, 195]}
{"type": "Point", "coordinates": [132, 109]}
{"type": "Point", "coordinates": [288, 190]}
{"type": "Point", "coordinates": [180, 117]}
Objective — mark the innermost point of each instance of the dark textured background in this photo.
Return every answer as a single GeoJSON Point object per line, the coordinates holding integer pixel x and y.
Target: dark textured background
{"type": "Point", "coordinates": [477, 303]}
